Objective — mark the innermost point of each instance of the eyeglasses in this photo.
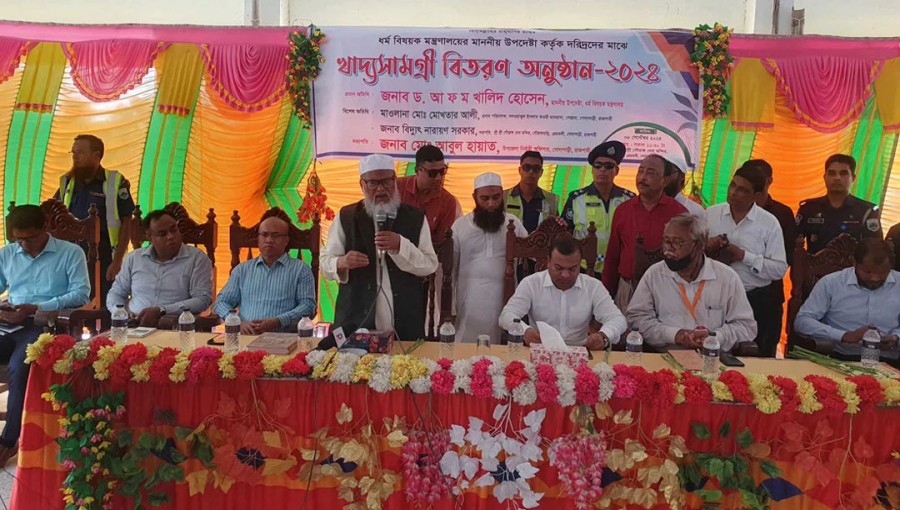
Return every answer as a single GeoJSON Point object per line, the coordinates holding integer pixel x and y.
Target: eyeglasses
{"type": "Point", "coordinates": [272, 235]}
{"type": "Point", "coordinates": [605, 165]}
{"type": "Point", "coordinates": [373, 184]}
{"type": "Point", "coordinates": [434, 172]}
{"type": "Point", "coordinates": [535, 169]}
{"type": "Point", "coordinates": [675, 245]}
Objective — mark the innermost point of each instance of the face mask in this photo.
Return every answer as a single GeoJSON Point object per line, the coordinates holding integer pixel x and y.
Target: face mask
{"type": "Point", "coordinates": [678, 264]}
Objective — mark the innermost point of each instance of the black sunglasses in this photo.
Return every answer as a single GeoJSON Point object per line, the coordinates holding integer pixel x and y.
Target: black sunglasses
{"type": "Point", "coordinates": [606, 165]}
{"type": "Point", "coordinates": [436, 171]}
{"type": "Point", "coordinates": [533, 168]}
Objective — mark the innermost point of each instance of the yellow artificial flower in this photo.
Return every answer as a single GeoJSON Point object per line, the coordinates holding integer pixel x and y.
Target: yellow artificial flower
{"type": "Point", "coordinates": [100, 426]}
{"type": "Point", "coordinates": [179, 370]}
{"type": "Point", "coordinates": [34, 351]}
{"type": "Point", "coordinates": [105, 357]}
{"type": "Point", "coordinates": [273, 363]}
{"type": "Point", "coordinates": [721, 392]}
{"type": "Point", "coordinates": [405, 368]}
{"type": "Point", "coordinates": [141, 371]}
{"type": "Point", "coordinates": [847, 391]}
{"type": "Point", "coordinates": [766, 395]}
{"type": "Point", "coordinates": [226, 366]}
{"type": "Point", "coordinates": [807, 394]}
{"type": "Point", "coordinates": [891, 389]}
{"type": "Point", "coordinates": [70, 499]}
{"type": "Point", "coordinates": [324, 369]}
{"type": "Point", "coordinates": [364, 368]}
{"type": "Point", "coordinates": [64, 365]}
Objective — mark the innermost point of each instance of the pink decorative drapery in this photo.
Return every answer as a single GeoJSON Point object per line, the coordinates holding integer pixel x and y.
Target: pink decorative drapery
{"type": "Point", "coordinates": [11, 53]}
{"type": "Point", "coordinates": [247, 77]}
{"type": "Point", "coordinates": [104, 70]}
{"type": "Point", "coordinates": [825, 92]}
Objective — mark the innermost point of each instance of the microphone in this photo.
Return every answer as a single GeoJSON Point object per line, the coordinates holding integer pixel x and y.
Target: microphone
{"type": "Point", "coordinates": [391, 216]}
{"type": "Point", "coordinates": [381, 219]}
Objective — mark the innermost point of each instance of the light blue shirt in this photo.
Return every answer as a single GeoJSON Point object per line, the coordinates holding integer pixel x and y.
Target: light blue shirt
{"type": "Point", "coordinates": [57, 278]}
{"type": "Point", "coordinates": [838, 304]}
{"type": "Point", "coordinates": [185, 281]}
{"type": "Point", "coordinates": [284, 291]}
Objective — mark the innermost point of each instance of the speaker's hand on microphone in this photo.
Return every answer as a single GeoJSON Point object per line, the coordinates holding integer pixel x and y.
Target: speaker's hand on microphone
{"type": "Point", "coordinates": [387, 241]}
{"type": "Point", "coordinates": [352, 260]}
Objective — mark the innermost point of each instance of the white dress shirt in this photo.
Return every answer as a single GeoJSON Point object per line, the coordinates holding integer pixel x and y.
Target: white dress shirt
{"type": "Point", "coordinates": [693, 208]}
{"type": "Point", "coordinates": [420, 260]}
{"type": "Point", "coordinates": [479, 265]}
{"type": "Point", "coordinates": [569, 311]}
{"type": "Point", "coordinates": [659, 312]}
{"type": "Point", "coordinates": [759, 235]}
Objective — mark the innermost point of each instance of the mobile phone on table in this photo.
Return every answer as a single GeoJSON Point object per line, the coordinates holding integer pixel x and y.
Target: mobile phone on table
{"type": "Point", "coordinates": [730, 360]}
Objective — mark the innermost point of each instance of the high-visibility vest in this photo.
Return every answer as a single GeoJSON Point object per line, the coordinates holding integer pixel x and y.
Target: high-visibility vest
{"type": "Point", "coordinates": [113, 182]}
{"type": "Point", "coordinates": [513, 204]}
{"type": "Point", "coordinates": [589, 207]}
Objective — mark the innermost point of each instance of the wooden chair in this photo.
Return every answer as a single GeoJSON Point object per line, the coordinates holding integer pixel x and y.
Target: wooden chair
{"type": "Point", "coordinates": [444, 250]}
{"type": "Point", "coordinates": [643, 259]}
{"type": "Point", "coordinates": [537, 247]}
{"type": "Point", "coordinates": [197, 234]}
{"type": "Point", "coordinates": [246, 238]}
{"type": "Point", "coordinates": [63, 225]}
{"type": "Point", "coordinates": [806, 271]}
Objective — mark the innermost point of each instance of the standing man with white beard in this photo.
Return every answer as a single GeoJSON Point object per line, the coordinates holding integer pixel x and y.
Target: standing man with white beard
{"type": "Point", "coordinates": [479, 258]}
{"type": "Point", "coordinates": [379, 266]}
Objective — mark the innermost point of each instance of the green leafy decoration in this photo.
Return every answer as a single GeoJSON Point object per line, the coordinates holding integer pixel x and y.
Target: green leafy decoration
{"type": "Point", "coordinates": [305, 62]}
{"type": "Point", "coordinates": [725, 429]}
{"type": "Point", "coordinates": [700, 430]}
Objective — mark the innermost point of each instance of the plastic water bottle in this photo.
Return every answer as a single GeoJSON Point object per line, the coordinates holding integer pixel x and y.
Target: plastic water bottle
{"type": "Point", "coordinates": [634, 347]}
{"type": "Point", "coordinates": [186, 329]}
{"type": "Point", "coordinates": [711, 347]}
{"type": "Point", "coordinates": [305, 331]}
{"type": "Point", "coordinates": [448, 339]}
{"type": "Point", "coordinates": [119, 331]}
{"type": "Point", "coordinates": [232, 332]}
{"type": "Point", "coordinates": [870, 354]}
{"type": "Point", "coordinates": [516, 338]}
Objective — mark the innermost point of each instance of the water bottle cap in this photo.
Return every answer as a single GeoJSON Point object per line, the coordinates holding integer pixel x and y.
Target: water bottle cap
{"type": "Point", "coordinates": [233, 310]}
{"type": "Point", "coordinates": [517, 321]}
{"type": "Point", "coordinates": [120, 306]}
{"type": "Point", "coordinates": [185, 309]}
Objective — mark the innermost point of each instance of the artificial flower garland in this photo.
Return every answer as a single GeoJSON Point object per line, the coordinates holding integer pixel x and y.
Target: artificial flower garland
{"type": "Point", "coordinates": [304, 63]}
{"type": "Point", "coordinates": [714, 62]}
{"type": "Point", "coordinates": [482, 376]}
{"type": "Point", "coordinates": [314, 204]}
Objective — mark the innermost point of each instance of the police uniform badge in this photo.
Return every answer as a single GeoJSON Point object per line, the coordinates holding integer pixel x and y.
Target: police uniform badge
{"type": "Point", "coordinates": [873, 224]}
{"type": "Point", "coordinates": [123, 193]}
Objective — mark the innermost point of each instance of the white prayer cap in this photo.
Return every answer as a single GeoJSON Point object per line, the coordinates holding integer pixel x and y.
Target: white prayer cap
{"type": "Point", "coordinates": [488, 179]}
{"type": "Point", "coordinates": [374, 162]}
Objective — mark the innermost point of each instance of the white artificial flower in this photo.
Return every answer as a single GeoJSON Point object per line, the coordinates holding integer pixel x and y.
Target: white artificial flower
{"type": "Point", "coordinates": [462, 370]}
{"type": "Point", "coordinates": [606, 375]}
{"type": "Point", "coordinates": [380, 380]}
{"type": "Point", "coordinates": [344, 366]}
{"type": "Point", "coordinates": [565, 381]}
{"type": "Point", "coordinates": [525, 394]}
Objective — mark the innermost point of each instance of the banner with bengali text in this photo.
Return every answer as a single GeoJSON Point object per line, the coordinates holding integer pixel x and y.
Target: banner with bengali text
{"type": "Point", "coordinates": [491, 94]}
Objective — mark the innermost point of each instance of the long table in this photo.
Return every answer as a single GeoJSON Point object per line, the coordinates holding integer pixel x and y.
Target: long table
{"type": "Point", "coordinates": [300, 443]}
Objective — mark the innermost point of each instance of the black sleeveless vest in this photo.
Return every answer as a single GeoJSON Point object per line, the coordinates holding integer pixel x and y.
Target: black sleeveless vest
{"type": "Point", "coordinates": [357, 295]}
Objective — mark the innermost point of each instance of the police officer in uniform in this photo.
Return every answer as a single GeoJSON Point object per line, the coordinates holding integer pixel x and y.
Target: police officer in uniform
{"type": "Point", "coordinates": [526, 200]}
{"type": "Point", "coordinates": [822, 219]}
{"type": "Point", "coordinates": [598, 201]}
{"type": "Point", "coordinates": [110, 192]}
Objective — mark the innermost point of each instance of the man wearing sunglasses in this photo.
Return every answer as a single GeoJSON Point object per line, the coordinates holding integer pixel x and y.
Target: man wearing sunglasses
{"type": "Point", "coordinates": [380, 263]}
{"type": "Point", "coordinates": [598, 200]}
{"type": "Point", "coordinates": [425, 190]}
{"type": "Point", "coordinates": [526, 200]}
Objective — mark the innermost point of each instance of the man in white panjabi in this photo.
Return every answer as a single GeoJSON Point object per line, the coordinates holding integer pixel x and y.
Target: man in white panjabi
{"type": "Point", "coordinates": [479, 246]}
{"type": "Point", "coordinates": [380, 251]}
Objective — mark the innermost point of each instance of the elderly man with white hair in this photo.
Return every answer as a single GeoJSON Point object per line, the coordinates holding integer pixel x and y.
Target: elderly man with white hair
{"type": "Point", "coordinates": [479, 246]}
{"type": "Point", "coordinates": [380, 251]}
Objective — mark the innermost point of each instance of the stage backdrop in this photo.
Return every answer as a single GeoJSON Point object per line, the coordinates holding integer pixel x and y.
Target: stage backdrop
{"type": "Point", "coordinates": [200, 114]}
{"type": "Point", "coordinates": [489, 95]}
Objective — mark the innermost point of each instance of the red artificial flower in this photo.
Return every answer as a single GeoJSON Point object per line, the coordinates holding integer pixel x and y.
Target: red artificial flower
{"type": "Point", "coordinates": [827, 394]}
{"type": "Point", "coordinates": [515, 375]}
{"type": "Point", "coordinates": [738, 386]}
{"type": "Point", "coordinates": [696, 389]}
{"type": "Point", "coordinates": [788, 389]}
{"type": "Point", "coordinates": [623, 383]}
{"type": "Point", "coordinates": [547, 389]}
{"type": "Point", "coordinates": [481, 383]}
{"type": "Point", "coordinates": [248, 365]}
{"type": "Point", "coordinates": [120, 369]}
{"type": "Point", "coordinates": [442, 381]}
{"type": "Point", "coordinates": [204, 362]}
{"type": "Point", "coordinates": [445, 363]}
{"type": "Point", "coordinates": [868, 388]}
{"type": "Point", "coordinates": [663, 389]}
{"type": "Point", "coordinates": [56, 350]}
{"type": "Point", "coordinates": [97, 343]}
{"type": "Point", "coordinates": [162, 365]}
{"type": "Point", "coordinates": [296, 366]}
{"type": "Point", "coordinates": [587, 385]}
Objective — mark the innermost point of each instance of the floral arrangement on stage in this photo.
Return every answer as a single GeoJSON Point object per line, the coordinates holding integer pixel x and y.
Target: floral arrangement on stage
{"type": "Point", "coordinates": [314, 204]}
{"type": "Point", "coordinates": [304, 63]}
{"type": "Point", "coordinates": [483, 376]}
{"type": "Point", "coordinates": [714, 62]}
